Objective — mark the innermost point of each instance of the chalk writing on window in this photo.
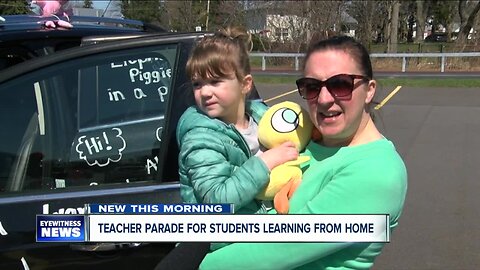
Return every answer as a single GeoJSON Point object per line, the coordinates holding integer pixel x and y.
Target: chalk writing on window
{"type": "Point", "coordinates": [94, 148]}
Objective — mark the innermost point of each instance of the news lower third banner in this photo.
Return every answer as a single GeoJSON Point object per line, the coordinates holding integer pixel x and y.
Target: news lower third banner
{"type": "Point", "coordinates": [205, 223]}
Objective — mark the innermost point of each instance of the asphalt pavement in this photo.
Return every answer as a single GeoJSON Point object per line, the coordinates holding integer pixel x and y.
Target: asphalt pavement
{"type": "Point", "coordinates": [437, 133]}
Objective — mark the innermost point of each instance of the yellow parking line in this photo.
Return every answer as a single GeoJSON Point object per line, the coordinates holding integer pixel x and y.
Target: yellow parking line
{"type": "Point", "coordinates": [385, 100]}
{"type": "Point", "coordinates": [282, 95]}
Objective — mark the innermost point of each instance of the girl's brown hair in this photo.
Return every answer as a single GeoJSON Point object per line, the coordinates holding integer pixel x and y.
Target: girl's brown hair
{"type": "Point", "coordinates": [220, 55]}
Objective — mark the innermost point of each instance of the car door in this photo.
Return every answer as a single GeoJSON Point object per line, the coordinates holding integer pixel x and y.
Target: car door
{"type": "Point", "coordinates": [94, 124]}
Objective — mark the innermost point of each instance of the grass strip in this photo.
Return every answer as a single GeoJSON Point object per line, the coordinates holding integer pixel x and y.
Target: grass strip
{"type": "Point", "coordinates": [444, 82]}
{"type": "Point", "coordinates": [432, 82]}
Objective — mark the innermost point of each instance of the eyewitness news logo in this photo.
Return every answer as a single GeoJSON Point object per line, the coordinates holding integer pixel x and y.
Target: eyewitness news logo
{"type": "Point", "coordinates": [60, 228]}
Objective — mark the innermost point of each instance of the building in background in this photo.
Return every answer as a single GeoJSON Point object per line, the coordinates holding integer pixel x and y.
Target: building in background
{"type": "Point", "coordinates": [278, 24]}
{"type": "Point", "coordinates": [77, 11]}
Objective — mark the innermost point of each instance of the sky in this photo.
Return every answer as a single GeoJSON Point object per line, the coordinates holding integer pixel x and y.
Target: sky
{"type": "Point", "coordinates": [112, 8]}
{"type": "Point", "coordinates": [98, 4]}
{"type": "Point", "coordinates": [101, 4]}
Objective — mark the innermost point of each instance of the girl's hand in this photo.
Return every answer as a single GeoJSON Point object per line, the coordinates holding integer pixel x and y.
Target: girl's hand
{"type": "Point", "coordinates": [279, 155]}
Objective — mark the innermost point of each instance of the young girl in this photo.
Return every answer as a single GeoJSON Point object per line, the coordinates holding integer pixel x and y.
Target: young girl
{"type": "Point", "coordinates": [220, 160]}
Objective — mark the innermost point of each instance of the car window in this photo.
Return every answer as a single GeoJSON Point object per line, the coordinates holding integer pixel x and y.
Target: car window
{"type": "Point", "coordinates": [92, 121]}
{"type": "Point", "coordinates": [126, 91]}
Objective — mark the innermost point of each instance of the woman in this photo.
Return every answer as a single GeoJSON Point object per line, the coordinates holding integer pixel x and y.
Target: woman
{"type": "Point", "coordinates": [353, 168]}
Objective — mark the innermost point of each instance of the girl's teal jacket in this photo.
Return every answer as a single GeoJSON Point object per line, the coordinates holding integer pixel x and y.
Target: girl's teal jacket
{"type": "Point", "coordinates": [215, 164]}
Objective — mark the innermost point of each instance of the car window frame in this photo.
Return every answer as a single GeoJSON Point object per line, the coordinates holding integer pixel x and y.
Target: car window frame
{"type": "Point", "coordinates": [69, 54]}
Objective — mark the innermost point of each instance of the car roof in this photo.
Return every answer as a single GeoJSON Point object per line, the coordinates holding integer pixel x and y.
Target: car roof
{"type": "Point", "coordinates": [18, 27]}
{"type": "Point", "coordinates": [23, 37]}
{"type": "Point", "coordinates": [95, 44]}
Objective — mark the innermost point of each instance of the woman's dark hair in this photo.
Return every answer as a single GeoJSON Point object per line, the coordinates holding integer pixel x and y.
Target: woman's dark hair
{"type": "Point", "coordinates": [347, 44]}
{"type": "Point", "coordinates": [355, 49]}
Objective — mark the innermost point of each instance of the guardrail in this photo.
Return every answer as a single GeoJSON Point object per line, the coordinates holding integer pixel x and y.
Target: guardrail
{"type": "Point", "coordinates": [404, 56]}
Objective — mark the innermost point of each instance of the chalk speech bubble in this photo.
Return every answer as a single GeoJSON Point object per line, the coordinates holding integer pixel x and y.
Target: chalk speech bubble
{"type": "Point", "coordinates": [102, 149]}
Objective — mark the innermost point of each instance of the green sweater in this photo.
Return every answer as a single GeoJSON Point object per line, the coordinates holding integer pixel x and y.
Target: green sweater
{"type": "Point", "coordinates": [364, 179]}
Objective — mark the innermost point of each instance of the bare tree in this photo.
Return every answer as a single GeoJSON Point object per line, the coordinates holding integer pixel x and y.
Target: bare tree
{"type": "Point", "coordinates": [209, 15]}
{"type": "Point", "coordinates": [420, 18]}
{"type": "Point", "coordinates": [289, 25]}
{"type": "Point", "coordinates": [393, 29]}
{"type": "Point", "coordinates": [443, 13]}
{"type": "Point", "coordinates": [326, 17]}
{"type": "Point", "coordinates": [186, 15]}
{"type": "Point", "coordinates": [365, 13]}
{"type": "Point", "coordinates": [147, 11]}
{"type": "Point", "coordinates": [410, 21]}
{"type": "Point", "coordinates": [476, 36]}
{"type": "Point", "coordinates": [302, 21]}
{"type": "Point", "coordinates": [223, 13]}
{"type": "Point", "coordinates": [468, 11]}
{"type": "Point", "coordinates": [14, 7]}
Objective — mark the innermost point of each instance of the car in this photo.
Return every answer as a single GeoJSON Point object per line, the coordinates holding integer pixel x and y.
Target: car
{"type": "Point", "coordinates": [87, 115]}
{"type": "Point", "coordinates": [437, 37]}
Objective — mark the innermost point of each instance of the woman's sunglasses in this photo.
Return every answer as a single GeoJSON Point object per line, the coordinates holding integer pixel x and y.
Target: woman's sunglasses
{"type": "Point", "coordinates": [340, 86]}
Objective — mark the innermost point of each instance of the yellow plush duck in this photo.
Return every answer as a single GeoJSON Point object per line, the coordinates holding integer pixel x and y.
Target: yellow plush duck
{"type": "Point", "coordinates": [285, 121]}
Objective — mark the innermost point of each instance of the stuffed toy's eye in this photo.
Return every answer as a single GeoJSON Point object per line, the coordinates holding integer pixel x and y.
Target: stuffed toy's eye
{"type": "Point", "coordinates": [284, 120]}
